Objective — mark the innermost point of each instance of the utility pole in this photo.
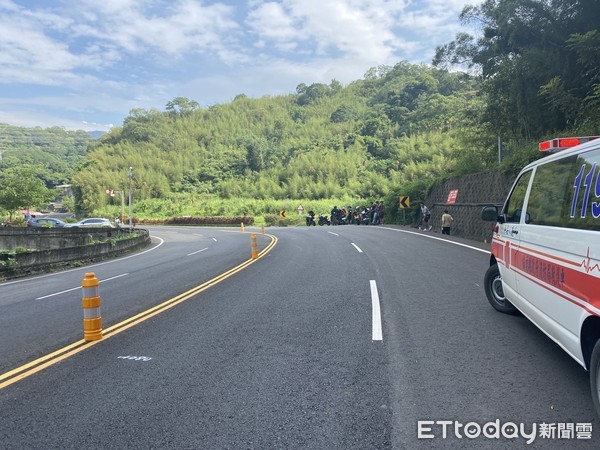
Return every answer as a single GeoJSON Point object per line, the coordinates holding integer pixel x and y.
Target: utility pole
{"type": "Point", "coordinates": [499, 149]}
{"type": "Point", "coordinates": [130, 176]}
{"type": "Point", "coordinates": [122, 206]}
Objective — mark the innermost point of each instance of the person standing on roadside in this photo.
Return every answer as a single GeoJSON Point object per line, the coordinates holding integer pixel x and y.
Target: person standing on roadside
{"type": "Point", "coordinates": [374, 213]}
{"type": "Point", "coordinates": [335, 216]}
{"type": "Point", "coordinates": [380, 213]}
{"type": "Point", "coordinates": [447, 220]}
{"type": "Point", "coordinates": [426, 215]}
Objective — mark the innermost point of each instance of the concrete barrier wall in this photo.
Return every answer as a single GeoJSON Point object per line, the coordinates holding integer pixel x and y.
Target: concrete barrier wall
{"type": "Point", "coordinates": [474, 192]}
{"type": "Point", "coordinates": [48, 259]}
{"type": "Point", "coordinates": [12, 238]}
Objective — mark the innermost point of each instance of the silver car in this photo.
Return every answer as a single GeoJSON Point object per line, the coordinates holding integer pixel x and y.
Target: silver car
{"type": "Point", "coordinates": [93, 222]}
{"type": "Point", "coordinates": [45, 222]}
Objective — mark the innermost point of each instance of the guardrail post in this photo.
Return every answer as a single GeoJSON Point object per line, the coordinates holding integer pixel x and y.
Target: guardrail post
{"type": "Point", "coordinates": [254, 246]}
{"type": "Point", "coordinates": [92, 320]}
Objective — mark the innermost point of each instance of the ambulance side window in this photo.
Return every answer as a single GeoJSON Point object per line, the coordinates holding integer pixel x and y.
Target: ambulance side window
{"type": "Point", "coordinates": [550, 197]}
{"type": "Point", "coordinates": [566, 193]}
{"type": "Point", "coordinates": [514, 205]}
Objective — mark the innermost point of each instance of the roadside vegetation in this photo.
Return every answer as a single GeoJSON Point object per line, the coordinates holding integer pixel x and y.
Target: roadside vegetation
{"type": "Point", "coordinates": [530, 74]}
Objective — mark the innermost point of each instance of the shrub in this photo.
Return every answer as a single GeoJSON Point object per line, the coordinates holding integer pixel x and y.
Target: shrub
{"type": "Point", "coordinates": [189, 220]}
{"type": "Point", "coordinates": [274, 220]}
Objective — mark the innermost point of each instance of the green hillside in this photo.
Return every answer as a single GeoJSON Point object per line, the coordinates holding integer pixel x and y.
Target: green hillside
{"type": "Point", "coordinates": [52, 152]}
{"type": "Point", "coordinates": [399, 125]}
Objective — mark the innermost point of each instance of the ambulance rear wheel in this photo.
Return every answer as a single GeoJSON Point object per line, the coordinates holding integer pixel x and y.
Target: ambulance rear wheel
{"type": "Point", "coordinates": [595, 376]}
{"type": "Point", "coordinates": [495, 292]}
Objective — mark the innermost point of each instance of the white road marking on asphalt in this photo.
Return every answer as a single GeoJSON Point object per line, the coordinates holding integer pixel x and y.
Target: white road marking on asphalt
{"type": "Point", "coordinates": [193, 253]}
{"type": "Point", "coordinates": [377, 331]}
{"type": "Point", "coordinates": [331, 232]}
{"type": "Point", "coordinates": [215, 239]}
{"type": "Point", "coordinates": [135, 358]}
{"type": "Point", "coordinates": [78, 287]}
{"type": "Point", "coordinates": [437, 238]}
{"type": "Point", "coordinates": [356, 247]}
{"type": "Point", "coordinates": [196, 234]}
{"type": "Point", "coordinates": [58, 293]}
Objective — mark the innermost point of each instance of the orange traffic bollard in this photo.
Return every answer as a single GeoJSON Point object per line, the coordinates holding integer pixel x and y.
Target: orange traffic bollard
{"type": "Point", "coordinates": [262, 230]}
{"type": "Point", "coordinates": [242, 227]}
{"type": "Point", "coordinates": [254, 246]}
{"type": "Point", "coordinates": [92, 320]}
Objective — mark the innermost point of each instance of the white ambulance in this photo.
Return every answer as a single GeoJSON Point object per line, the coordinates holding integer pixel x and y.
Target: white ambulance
{"type": "Point", "coordinates": [545, 258]}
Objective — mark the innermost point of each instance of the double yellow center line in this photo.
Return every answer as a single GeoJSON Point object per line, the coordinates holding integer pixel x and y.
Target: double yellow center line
{"type": "Point", "coordinates": [39, 364]}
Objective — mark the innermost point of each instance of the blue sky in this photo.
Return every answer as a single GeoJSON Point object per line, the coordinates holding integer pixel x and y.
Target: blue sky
{"type": "Point", "coordinates": [85, 64]}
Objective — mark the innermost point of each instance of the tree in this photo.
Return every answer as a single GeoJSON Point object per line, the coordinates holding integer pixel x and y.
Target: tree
{"type": "Point", "coordinates": [534, 56]}
{"type": "Point", "coordinates": [312, 93]}
{"type": "Point", "coordinates": [256, 153]}
{"type": "Point", "coordinates": [142, 125]}
{"type": "Point", "coordinates": [335, 86]}
{"type": "Point", "coordinates": [344, 113]}
{"type": "Point", "coordinates": [182, 106]}
{"type": "Point", "coordinates": [22, 189]}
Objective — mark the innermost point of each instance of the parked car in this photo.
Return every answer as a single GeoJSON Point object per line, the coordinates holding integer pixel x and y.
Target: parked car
{"type": "Point", "coordinates": [45, 222]}
{"type": "Point", "coordinates": [93, 222]}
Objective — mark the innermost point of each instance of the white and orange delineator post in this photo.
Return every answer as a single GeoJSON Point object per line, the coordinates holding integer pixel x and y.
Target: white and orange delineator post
{"type": "Point", "coordinates": [254, 246]}
{"type": "Point", "coordinates": [92, 319]}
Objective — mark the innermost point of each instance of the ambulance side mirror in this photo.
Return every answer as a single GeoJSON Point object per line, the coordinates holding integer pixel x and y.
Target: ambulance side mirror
{"type": "Point", "coordinates": [490, 214]}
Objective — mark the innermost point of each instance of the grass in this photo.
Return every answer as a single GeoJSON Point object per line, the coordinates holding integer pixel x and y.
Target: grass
{"type": "Point", "coordinates": [204, 206]}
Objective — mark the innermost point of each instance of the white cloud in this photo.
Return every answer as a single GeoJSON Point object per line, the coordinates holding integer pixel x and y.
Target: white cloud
{"type": "Point", "coordinates": [184, 26]}
{"type": "Point", "coordinates": [26, 53]}
{"type": "Point", "coordinates": [362, 28]}
{"type": "Point", "coordinates": [270, 21]}
{"type": "Point", "coordinates": [110, 56]}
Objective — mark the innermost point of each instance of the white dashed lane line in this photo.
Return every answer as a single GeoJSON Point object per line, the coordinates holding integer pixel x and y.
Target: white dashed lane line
{"type": "Point", "coordinates": [79, 287]}
{"type": "Point", "coordinates": [357, 247]}
{"type": "Point", "coordinates": [376, 312]}
{"type": "Point", "coordinates": [199, 251]}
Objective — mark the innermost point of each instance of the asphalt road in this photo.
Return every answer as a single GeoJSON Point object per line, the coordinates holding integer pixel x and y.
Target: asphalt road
{"type": "Point", "coordinates": [287, 353]}
{"type": "Point", "coordinates": [44, 313]}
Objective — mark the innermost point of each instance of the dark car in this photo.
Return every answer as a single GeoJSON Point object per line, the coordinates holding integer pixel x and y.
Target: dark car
{"type": "Point", "coordinates": [45, 222]}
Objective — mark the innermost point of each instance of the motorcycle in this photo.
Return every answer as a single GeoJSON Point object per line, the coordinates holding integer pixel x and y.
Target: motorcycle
{"type": "Point", "coordinates": [324, 220]}
{"type": "Point", "coordinates": [343, 217]}
{"type": "Point", "coordinates": [364, 218]}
